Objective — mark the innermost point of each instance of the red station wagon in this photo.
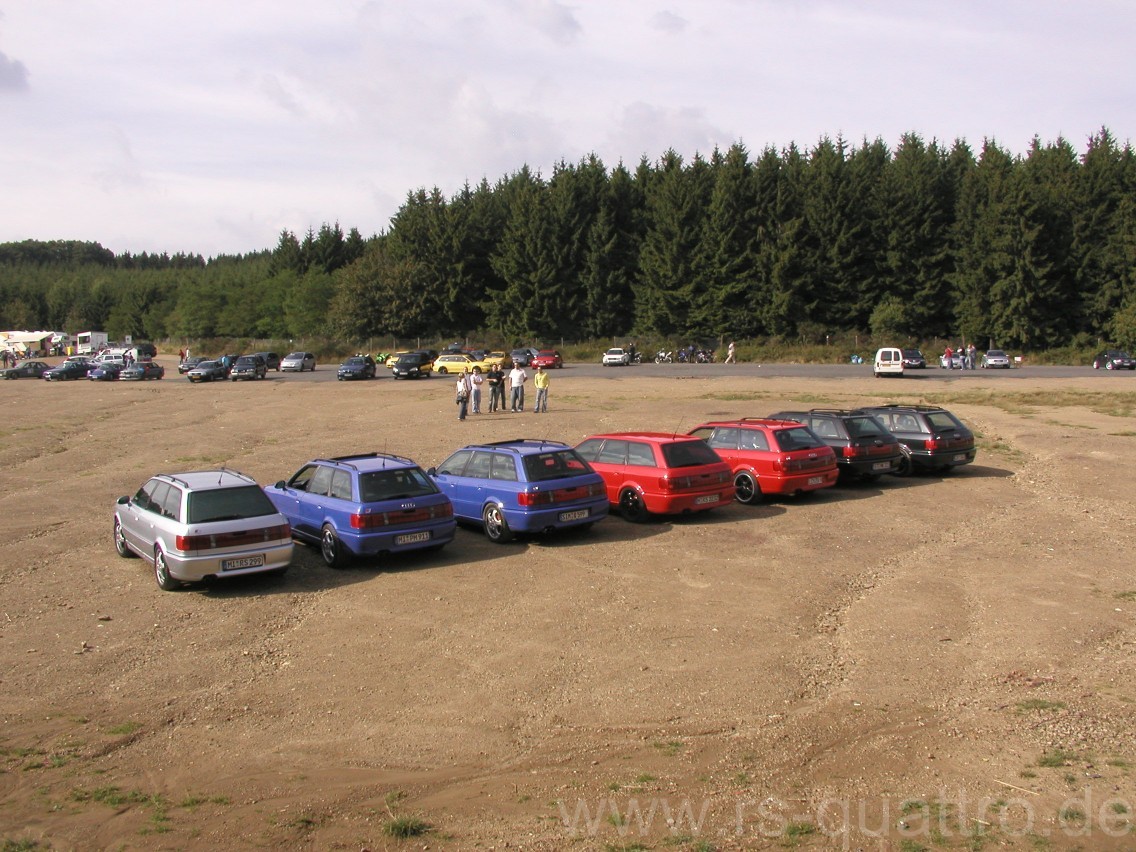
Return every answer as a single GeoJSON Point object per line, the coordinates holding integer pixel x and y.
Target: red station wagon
{"type": "Point", "coordinates": [771, 456]}
{"type": "Point", "coordinates": [658, 473]}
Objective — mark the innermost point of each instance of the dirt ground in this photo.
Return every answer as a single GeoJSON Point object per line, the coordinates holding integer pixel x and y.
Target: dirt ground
{"type": "Point", "coordinates": [933, 662]}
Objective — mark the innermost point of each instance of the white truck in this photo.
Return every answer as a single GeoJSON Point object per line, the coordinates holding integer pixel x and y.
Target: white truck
{"type": "Point", "coordinates": [88, 342]}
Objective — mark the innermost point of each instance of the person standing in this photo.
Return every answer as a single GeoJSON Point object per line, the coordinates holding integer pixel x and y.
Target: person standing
{"type": "Point", "coordinates": [948, 353]}
{"type": "Point", "coordinates": [475, 390]}
{"type": "Point", "coordinates": [461, 394]}
{"type": "Point", "coordinates": [540, 382]}
{"type": "Point", "coordinates": [517, 379]}
{"type": "Point", "coordinates": [730, 354]}
{"type": "Point", "coordinates": [972, 356]}
{"type": "Point", "coordinates": [496, 380]}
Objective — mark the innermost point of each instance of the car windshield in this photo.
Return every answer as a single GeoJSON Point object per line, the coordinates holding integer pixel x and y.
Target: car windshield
{"type": "Point", "coordinates": [797, 439]}
{"type": "Point", "coordinates": [689, 453]}
{"type": "Point", "coordinates": [354, 362]}
{"type": "Point", "coordinates": [557, 464]}
{"type": "Point", "coordinates": [394, 485]}
{"type": "Point", "coordinates": [227, 504]}
{"type": "Point", "coordinates": [995, 353]}
{"type": "Point", "coordinates": [205, 365]}
{"type": "Point", "coordinates": [912, 353]}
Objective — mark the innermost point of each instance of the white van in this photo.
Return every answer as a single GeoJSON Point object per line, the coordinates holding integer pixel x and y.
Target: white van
{"type": "Point", "coordinates": [889, 362]}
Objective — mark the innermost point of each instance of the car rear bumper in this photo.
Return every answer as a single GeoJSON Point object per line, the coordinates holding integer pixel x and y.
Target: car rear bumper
{"type": "Point", "coordinates": [399, 540]}
{"type": "Point", "coordinates": [810, 481]}
{"type": "Point", "coordinates": [952, 458]}
{"type": "Point", "coordinates": [561, 516]}
{"type": "Point", "coordinates": [192, 569]}
{"type": "Point", "coordinates": [870, 466]}
{"type": "Point", "coordinates": [689, 501]}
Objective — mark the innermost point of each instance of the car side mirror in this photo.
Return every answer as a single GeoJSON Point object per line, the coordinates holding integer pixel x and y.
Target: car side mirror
{"type": "Point", "coordinates": [279, 484]}
{"type": "Point", "coordinates": [122, 501]}
{"type": "Point", "coordinates": [432, 471]}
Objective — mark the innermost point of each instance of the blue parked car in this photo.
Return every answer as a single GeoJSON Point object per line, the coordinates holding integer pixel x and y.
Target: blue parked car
{"type": "Point", "coordinates": [356, 367]}
{"type": "Point", "coordinates": [364, 505]}
{"type": "Point", "coordinates": [522, 486]}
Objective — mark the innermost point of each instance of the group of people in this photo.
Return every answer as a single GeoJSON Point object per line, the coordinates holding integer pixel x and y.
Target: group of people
{"type": "Point", "coordinates": [468, 390]}
{"type": "Point", "coordinates": [967, 355]}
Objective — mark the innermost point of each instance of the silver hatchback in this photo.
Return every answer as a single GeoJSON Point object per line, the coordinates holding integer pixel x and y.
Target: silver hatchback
{"type": "Point", "coordinates": [192, 526]}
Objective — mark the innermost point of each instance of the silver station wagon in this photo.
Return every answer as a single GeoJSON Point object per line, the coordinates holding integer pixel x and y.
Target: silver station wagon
{"type": "Point", "coordinates": [200, 525]}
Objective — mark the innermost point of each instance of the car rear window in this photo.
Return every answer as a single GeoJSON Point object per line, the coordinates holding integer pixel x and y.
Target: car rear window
{"type": "Point", "coordinates": [797, 439]}
{"type": "Point", "coordinates": [556, 464]}
{"type": "Point", "coordinates": [941, 420]}
{"type": "Point", "coordinates": [394, 485]}
{"type": "Point", "coordinates": [689, 454]}
{"type": "Point", "coordinates": [227, 504]}
{"type": "Point", "coordinates": [864, 427]}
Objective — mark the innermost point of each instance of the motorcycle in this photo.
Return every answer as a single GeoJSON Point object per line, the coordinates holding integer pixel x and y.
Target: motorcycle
{"type": "Point", "coordinates": [705, 356]}
{"type": "Point", "coordinates": [663, 357]}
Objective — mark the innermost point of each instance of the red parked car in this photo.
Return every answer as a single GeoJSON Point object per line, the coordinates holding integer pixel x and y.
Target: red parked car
{"type": "Point", "coordinates": [658, 473]}
{"type": "Point", "coordinates": [547, 358]}
{"type": "Point", "coordinates": [771, 456]}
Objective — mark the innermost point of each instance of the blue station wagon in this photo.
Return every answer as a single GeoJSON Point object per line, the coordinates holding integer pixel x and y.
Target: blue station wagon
{"type": "Point", "coordinates": [364, 506]}
{"type": "Point", "coordinates": [522, 486]}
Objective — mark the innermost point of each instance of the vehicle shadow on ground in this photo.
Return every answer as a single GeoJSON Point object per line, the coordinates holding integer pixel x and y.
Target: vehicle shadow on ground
{"type": "Point", "coordinates": [309, 573]}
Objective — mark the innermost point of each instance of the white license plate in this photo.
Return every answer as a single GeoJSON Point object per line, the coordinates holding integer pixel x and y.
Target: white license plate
{"type": "Point", "coordinates": [411, 538]}
{"type": "Point", "coordinates": [881, 466]}
{"type": "Point", "coordinates": [816, 480]}
{"type": "Point", "coordinates": [709, 498]}
{"type": "Point", "coordinates": [577, 515]}
{"type": "Point", "coordinates": [243, 562]}
{"type": "Point", "coordinates": [960, 457]}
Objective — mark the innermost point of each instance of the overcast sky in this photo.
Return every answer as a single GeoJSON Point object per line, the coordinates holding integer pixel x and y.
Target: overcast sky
{"type": "Point", "coordinates": [209, 127]}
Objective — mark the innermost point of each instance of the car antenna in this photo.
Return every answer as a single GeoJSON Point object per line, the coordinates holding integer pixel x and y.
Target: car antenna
{"type": "Point", "coordinates": [675, 433]}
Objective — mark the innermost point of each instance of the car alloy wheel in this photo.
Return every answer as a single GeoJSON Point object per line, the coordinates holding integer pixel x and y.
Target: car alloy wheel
{"type": "Point", "coordinates": [166, 582]}
{"type": "Point", "coordinates": [120, 540]}
{"type": "Point", "coordinates": [631, 506]}
{"type": "Point", "coordinates": [496, 527]}
{"type": "Point", "coordinates": [904, 468]}
{"type": "Point", "coordinates": [746, 489]}
{"type": "Point", "coordinates": [331, 548]}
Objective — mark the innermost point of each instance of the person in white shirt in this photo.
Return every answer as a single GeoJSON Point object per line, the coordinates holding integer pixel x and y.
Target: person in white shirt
{"type": "Point", "coordinates": [475, 391]}
{"type": "Point", "coordinates": [517, 379]}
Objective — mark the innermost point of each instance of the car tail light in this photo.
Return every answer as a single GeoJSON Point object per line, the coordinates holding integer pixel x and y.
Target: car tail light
{"type": "Point", "coordinates": [214, 541]}
{"type": "Point", "coordinates": [378, 520]}
{"type": "Point", "coordinates": [559, 495]}
{"type": "Point", "coordinates": [934, 445]}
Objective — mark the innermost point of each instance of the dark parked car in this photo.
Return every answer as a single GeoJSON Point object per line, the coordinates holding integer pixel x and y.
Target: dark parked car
{"type": "Point", "coordinates": [107, 371]}
{"type": "Point", "coordinates": [68, 370]}
{"type": "Point", "coordinates": [412, 365]}
{"type": "Point", "coordinates": [208, 371]}
{"type": "Point", "coordinates": [26, 370]}
{"type": "Point", "coordinates": [189, 363]}
{"type": "Point", "coordinates": [1114, 359]}
{"type": "Point", "coordinates": [864, 448]}
{"type": "Point", "coordinates": [356, 367]}
{"type": "Point", "coordinates": [522, 486]}
{"type": "Point", "coordinates": [248, 367]}
{"type": "Point", "coordinates": [930, 437]}
{"type": "Point", "coordinates": [364, 505]}
{"type": "Point", "coordinates": [141, 370]}
{"type": "Point", "coordinates": [271, 360]}
{"type": "Point", "coordinates": [522, 357]}
{"type": "Point", "coordinates": [913, 360]}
